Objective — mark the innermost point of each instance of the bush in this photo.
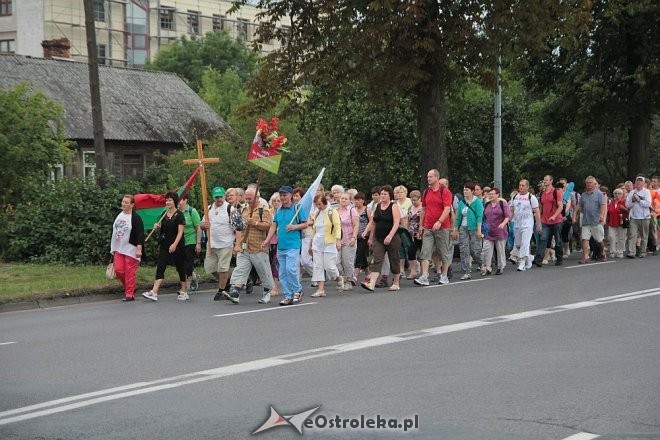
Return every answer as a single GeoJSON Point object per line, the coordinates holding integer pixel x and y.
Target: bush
{"type": "Point", "coordinates": [68, 222]}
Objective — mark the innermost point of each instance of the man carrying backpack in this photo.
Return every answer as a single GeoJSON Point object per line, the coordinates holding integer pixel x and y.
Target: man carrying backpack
{"type": "Point", "coordinates": [435, 224]}
{"type": "Point", "coordinates": [249, 252]}
{"type": "Point", "coordinates": [551, 205]}
{"type": "Point", "coordinates": [221, 242]}
{"type": "Point", "coordinates": [525, 213]}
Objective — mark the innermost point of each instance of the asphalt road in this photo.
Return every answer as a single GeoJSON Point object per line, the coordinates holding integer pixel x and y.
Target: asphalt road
{"type": "Point", "coordinates": [553, 353]}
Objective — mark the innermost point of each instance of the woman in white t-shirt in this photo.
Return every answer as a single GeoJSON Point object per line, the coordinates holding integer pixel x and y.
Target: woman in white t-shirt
{"type": "Point", "coordinates": [126, 245]}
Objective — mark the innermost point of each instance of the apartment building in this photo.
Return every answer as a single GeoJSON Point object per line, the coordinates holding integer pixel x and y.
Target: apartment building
{"type": "Point", "coordinates": [128, 32]}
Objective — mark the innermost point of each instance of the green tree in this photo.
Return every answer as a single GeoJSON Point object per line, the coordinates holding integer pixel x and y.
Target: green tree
{"type": "Point", "coordinates": [191, 57]}
{"type": "Point", "coordinates": [421, 49]}
{"type": "Point", "coordinates": [223, 92]}
{"type": "Point", "coordinates": [360, 144]}
{"type": "Point", "coordinates": [609, 82]}
{"type": "Point", "coordinates": [32, 140]}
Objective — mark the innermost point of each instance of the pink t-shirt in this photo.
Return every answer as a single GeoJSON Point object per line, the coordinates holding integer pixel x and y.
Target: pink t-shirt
{"type": "Point", "coordinates": [346, 216]}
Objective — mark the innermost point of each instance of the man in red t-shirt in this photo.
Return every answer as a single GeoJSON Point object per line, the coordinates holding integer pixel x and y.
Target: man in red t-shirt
{"type": "Point", "coordinates": [551, 204]}
{"type": "Point", "coordinates": [434, 221]}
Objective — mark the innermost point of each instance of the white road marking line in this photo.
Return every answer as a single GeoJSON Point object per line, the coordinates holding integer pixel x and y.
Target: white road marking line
{"type": "Point", "coordinates": [589, 264]}
{"type": "Point", "coordinates": [266, 310]}
{"type": "Point", "coordinates": [457, 282]}
{"type": "Point", "coordinates": [8, 343]}
{"type": "Point", "coordinates": [582, 436]}
{"type": "Point", "coordinates": [639, 292]}
{"type": "Point", "coordinates": [72, 398]}
{"type": "Point", "coordinates": [82, 400]}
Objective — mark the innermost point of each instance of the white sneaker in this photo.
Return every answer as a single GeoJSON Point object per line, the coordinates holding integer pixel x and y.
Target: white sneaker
{"type": "Point", "coordinates": [183, 296]}
{"type": "Point", "coordinates": [444, 279]}
{"type": "Point", "coordinates": [466, 276]}
{"type": "Point", "coordinates": [529, 263]}
{"type": "Point", "coordinates": [150, 295]}
{"type": "Point", "coordinates": [340, 283]}
{"type": "Point", "coordinates": [422, 281]}
{"type": "Point", "coordinates": [522, 266]}
{"type": "Point", "coordinates": [265, 298]}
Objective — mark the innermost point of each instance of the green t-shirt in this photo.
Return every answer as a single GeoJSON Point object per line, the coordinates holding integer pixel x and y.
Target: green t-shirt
{"type": "Point", "coordinates": [190, 229]}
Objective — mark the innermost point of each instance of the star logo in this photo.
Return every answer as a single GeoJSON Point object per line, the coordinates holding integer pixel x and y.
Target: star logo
{"type": "Point", "coordinates": [295, 420]}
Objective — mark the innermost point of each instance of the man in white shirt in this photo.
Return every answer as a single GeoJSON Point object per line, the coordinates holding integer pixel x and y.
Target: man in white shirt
{"type": "Point", "coordinates": [221, 241]}
{"type": "Point", "coordinates": [525, 210]}
{"type": "Point", "coordinates": [639, 203]}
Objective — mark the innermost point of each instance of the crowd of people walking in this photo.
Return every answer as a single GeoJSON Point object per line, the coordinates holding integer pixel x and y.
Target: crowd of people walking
{"type": "Point", "coordinates": [345, 241]}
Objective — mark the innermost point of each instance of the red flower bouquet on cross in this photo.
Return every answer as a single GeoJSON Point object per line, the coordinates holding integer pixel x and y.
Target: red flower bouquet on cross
{"type": "Point", "coordinates": [268, 135]}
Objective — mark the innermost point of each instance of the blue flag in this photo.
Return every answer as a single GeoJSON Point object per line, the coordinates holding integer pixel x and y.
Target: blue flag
{"type": "Point", "coordinates": [305, 205]}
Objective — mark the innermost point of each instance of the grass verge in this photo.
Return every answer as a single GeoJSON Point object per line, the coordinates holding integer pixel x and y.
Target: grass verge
{"type": "Point", "coordinates": [28, 282]}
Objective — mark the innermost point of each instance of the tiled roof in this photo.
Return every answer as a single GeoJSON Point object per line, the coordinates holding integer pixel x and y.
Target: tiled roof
{"type": "Point", "coordinates": [137, 105]}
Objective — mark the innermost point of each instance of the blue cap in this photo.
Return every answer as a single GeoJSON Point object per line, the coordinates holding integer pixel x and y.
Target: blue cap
{"type": "Point", "coordinates": [286, 189]}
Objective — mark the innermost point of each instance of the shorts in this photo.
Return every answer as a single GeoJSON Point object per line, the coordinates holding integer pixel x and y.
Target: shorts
{"type": "Point", "coordinates": [218, 260]}
{"type": "Point", "coordinates": [595, 231]}
{"type": "Point", "coordinates": [435, 241]}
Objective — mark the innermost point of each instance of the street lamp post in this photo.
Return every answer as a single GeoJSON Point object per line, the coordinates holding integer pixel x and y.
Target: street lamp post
{"type": "Point", "coordinates": [497, 142]}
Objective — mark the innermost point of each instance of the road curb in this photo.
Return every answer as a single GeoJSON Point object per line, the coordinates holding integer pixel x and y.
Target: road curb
{"type": "Point", "coordinates": [72, 299]}
{"type": "Point", "coordinates": [44, 303]}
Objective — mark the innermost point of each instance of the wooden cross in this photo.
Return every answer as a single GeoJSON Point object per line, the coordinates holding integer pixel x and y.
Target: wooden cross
{"type": "Point", "coordinates": [200, 162]}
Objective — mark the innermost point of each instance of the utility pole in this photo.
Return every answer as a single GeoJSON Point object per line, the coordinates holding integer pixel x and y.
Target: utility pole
{"type": "Point", "coordinates": [497, 142]}
{"type": "Point", "coordinates": [95, 93]}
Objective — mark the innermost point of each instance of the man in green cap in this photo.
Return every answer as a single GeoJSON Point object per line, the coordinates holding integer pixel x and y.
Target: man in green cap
{"type": "Point", "coordinates": [221, 241]}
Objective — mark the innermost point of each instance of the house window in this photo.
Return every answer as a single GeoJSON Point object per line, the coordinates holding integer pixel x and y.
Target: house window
{"type": "Point", "coordinates": [56, 172]}
{"type": "Point", "coordinates": [262, 29]}
{"type": "Point", "coordinates": [286, 35]}
{"type": "Point", "coordinates": [5, 7]}
{"type": "Point", "coordinates": [242, 29]}
{"type": "Point", "coordinates": [89, 164]}
{"type": "Point", "coordinates": [7, 46]}
{"type": "Point", "coordinates": [132, 167]}
{"type": "Point", "coordinates": [193, 22]}
{"type": "Point", "coordinates": [218, 23]}
{"type": "Point", "coordinates": [167, 18]}
{"type": "Point", "coordinates": [101, 52]}
{"type": "Point", "coordinates": [99, 10]}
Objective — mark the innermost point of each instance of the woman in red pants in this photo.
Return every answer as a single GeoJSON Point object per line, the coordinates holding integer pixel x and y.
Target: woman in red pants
{"type": "Point", "coordinates": [126, 245]}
